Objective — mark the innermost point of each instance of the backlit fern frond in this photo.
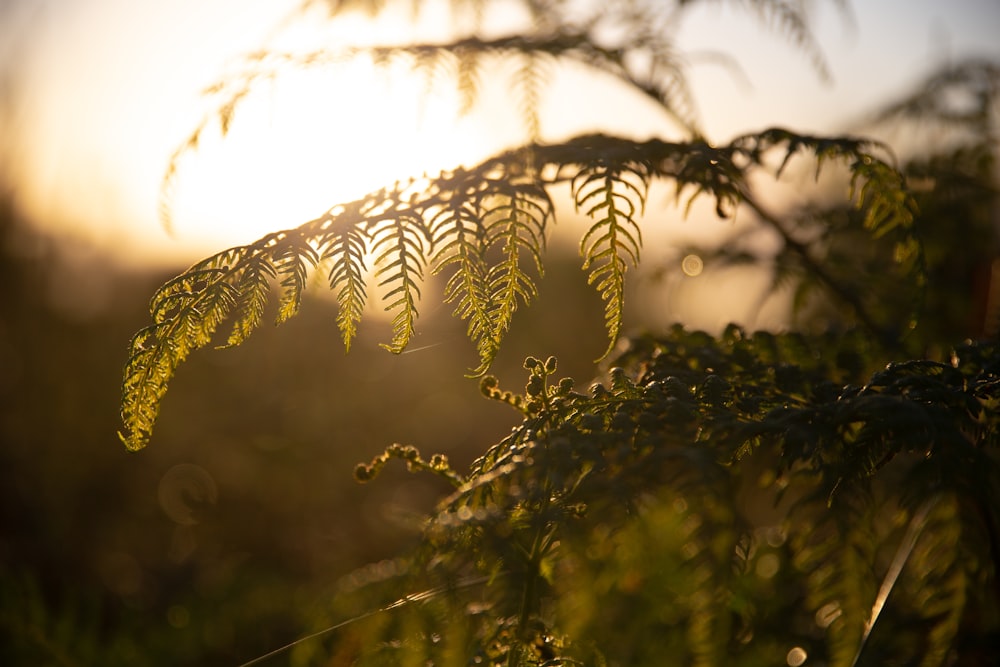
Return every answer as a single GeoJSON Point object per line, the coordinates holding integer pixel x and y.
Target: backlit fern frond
{"type": "Point", "coordinates": [631, 42]}
{"type": "Point", "coordinates": [515, 224]}
{"type": "Point", "coordinates": [399, 255]}
{"type": "Point", "coordinates": [186, 312]}
{"type": "Point", "coordinates": [788, 17]}
{"type": "Point", "coordinates": [467, 78]}
{"type": "Point", "coordinates": [530, 80]}
{"type": "Point", "coordinates": [612, 196]}
{"type": "Point", "coordinates": [484, 227]}
{"type": "Point", "coordinates": [231, 94]}
{"type": "Point", "coordinates": [460, 241]}
{"type": "Point", "coordinates": [345, 248]}
{"type": "Point", "coordinates": [663, 80]}
{"type": "Point", "coordinates": [293, 259]}
{"type": "Point", "coordinates": [253, 289]}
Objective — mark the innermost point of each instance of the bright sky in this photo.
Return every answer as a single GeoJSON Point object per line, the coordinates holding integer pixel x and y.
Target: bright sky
{"type": "Point", "coordinates": [105, 90]}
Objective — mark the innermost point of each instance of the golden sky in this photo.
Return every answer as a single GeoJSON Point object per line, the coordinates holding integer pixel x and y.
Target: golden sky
{"type": "Point", "coordinates": [101, 92]}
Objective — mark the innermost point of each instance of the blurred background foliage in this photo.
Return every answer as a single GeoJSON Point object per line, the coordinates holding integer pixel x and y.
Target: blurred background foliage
{"type": "Point", "coordinates": [208, 548]}
{"type": "Point", "coordinates": [230, 536]}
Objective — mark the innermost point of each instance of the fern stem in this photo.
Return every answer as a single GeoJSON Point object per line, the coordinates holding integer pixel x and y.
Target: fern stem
{"type": "Point", "coordinates": [529, 596]}
{"type": "Point", "coordinates": [401, 602]}
{"type": "Point", "coordinates": [906, 546]}
{"type": "Point", "coordinates": [887, 338]}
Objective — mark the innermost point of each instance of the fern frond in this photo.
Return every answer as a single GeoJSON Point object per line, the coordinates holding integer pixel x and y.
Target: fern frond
{"type": "Point", "coordinates": [706, 170]}
{"type": "Point", "coordinates": [530, 80]}
{"type": "Point", "coordinates": [233, 93]}
{"type": "Point", "coordinates": [293, 259]}
{"type": "Point", "coordinates": [484, 227]}
{"type": "Point", "coordinates": [467, 78]}
{"type": "Point", "coordinates": [253, 288]}
{"type": "Point", "coordinates": [788, 18]}
{"type": "Point", "coordinates": [516, 224]}
{"type": "Point", "coordinates": [879, 193]}
{"type": "Point", "coordinates": [976, 80]}
{"type": "Point", "coordinates": [612, 197]}
{"type": "Point", "coordinates": [186, 312]}
{"type": "Point", "coordinates": [345, 247]}
{"type": "Point", "coordinates": [147, 373]}
{"type": "Point", "coordinates": [169, 178]}
{"type": "Point", "coordinates": [940, 581]}
{"type": "Point", "coordinates": [459, 235]}
{"type": "Point", "coordinates": [397, 244]}
{"type": "Point", "coordinates": [665, 82]}
{"type": "Point", "coordinates": [876, 185]}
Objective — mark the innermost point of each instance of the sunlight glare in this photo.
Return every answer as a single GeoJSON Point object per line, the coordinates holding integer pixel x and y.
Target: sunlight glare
{"type": "Point", "coordinates": [309, 140]}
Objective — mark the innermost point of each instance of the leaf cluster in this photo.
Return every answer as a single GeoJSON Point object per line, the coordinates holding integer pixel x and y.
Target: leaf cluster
{"type": "Point", "coordinates": [714, 500]}
{"type": "Point", "coordinates": [825, 257]}
{"type": "Point", "coordinates": [483, 230]}
{"type": "Point", "coordinates": [630, 41]}
{"type": "Point", "coordinates": [719, 501]}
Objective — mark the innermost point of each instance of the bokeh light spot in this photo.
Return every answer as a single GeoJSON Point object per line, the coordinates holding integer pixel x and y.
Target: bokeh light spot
{"type": "Point", "coordinates": [185, 491]}
{"type": "Point", "coordinates": [827, 614]}
{"type": "Point", "coordinates": [178, 616]}
{"type": "Point", "coordinates": [692, 265]}
{"type": "Point", "coordinates": [796, 657]}
{"type": "Point", "coordinates": [767, 566]}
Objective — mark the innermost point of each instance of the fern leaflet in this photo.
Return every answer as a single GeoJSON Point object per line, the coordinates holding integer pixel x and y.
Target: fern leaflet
{"type": "Point", "coordinates": [253, 288]}
{"type": "Point", "coordinates": [617, 194]}
{"type": "Point", "coordinates": [485, 226]}
{"type": "Point", "coordinates": [517, 226]}
{"type": "Point", "coordinates": [345, 247]}
{"type": "Point", "coordinates": [458, 233]}
{"type": "Point", "coordinates": [941, 580]}
{"type": "Point", "coordinates": [399, 257]}
{"type": "Point", "coordinates": [186, 312]}
{"type": "Point", "coordinates": [293, 259]}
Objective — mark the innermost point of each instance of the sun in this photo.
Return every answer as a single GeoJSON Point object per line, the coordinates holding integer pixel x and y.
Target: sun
{"type": "Point", "coordinates": [309, 140]}
{"type": "Point", "coordinates": [88, 152]}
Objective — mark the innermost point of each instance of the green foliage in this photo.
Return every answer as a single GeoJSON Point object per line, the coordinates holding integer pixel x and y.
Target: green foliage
{"type": "Point", "coordinates": [458, 222]}
{"type": "Point", "coordinates": [715, 502]}
{"type": "Point", "coordinates": [614, 240]}
{"type": "Point", "coordinates": [484, 228]}
{"type": "Point", "coordinates": [825, 255]}
{"type": "Point", "coordinates": [67, 633]}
